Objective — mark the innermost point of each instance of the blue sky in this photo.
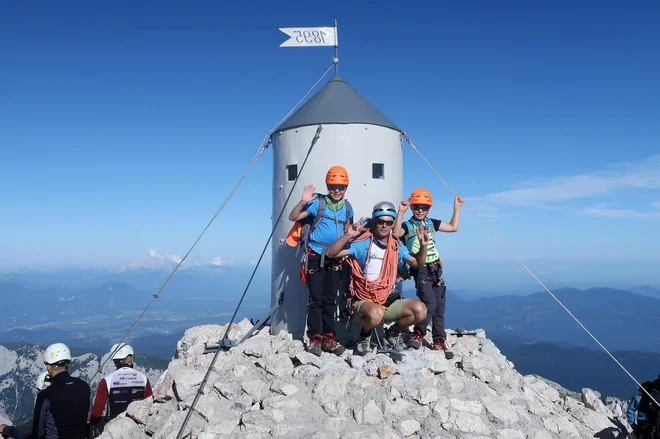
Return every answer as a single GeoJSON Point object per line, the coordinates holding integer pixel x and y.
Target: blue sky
{"type": "Point", "coordinates": [124, 127]}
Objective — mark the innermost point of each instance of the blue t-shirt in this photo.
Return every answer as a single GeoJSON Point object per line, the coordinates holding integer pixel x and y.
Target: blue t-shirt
{"type": "Point", "coordinates": [360, 249]}
{"type": "Point", "coordinates": [331, 227]}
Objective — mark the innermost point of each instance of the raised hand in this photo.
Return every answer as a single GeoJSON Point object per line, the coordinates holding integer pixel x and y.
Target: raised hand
{"type": "Point", "coordinates": [458, 201]}
{"type": "Point", "coordinates": [356, 229]}
{"type": "Point", "coordinates": [422, 236]}
{"type": "Point", "coordinates": [308, 193]}
{"type": "Point", "coordinates": [404, 205]}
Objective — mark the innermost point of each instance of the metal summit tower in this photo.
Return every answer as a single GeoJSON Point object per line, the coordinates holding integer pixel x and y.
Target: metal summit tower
{"type": "Point", "coordinates": [352, 134]}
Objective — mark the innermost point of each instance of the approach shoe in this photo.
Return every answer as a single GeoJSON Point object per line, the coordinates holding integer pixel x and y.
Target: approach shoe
{"type": "Point", "coordinates": [364, 345]}
{"type": "Point", "coordinates": [331, 345]}
{"type": "Point", "coordinates": [440, 345]}
{"type": "Point", "coordinates": [315, 345]}
{"type": "Point", "coordinates": [416, 340]}
{"type": "Point", "coordinates": [395, 340]}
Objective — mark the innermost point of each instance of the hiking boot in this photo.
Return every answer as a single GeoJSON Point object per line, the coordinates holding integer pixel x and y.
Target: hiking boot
{"type": "Point", "coordinates": [315, 345]}
{"type": "Point", "coordinates": [329, 344]}
{"type": "Point", "coordinates": [364, 344]}
{"type": "Point", "coordinates": [439, 345]}
{"type": "Point", "coordinates": [416, 340]}
{"type": "Point", "coordinates": [395, 339]}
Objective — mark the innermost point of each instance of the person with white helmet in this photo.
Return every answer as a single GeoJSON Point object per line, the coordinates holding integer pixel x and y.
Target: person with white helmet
{"type": "Point", "coordinates": [60, 411]}
{"type": "Point", "coordinates": [120, 388]}
{"type": "Point", "coordinates": [375, 256]}
{"type": "Point", "coordinates": [24, 430]}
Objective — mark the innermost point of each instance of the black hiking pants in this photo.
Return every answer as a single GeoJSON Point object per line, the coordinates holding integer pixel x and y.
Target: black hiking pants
{"type": "Point", "coordinates": [432, 291]}
{"type": "Point", "coordinates": [324, 284]}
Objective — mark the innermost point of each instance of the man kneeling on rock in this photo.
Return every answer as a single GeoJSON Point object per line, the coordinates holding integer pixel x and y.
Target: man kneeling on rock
{"type": "Point", "coordinates": [375, 254]}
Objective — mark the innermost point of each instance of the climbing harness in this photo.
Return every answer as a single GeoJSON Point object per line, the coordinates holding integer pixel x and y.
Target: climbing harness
{"type": "Point", "coordinates": [307, 227]}
{"type": "Point", "coordinates": [407, 139]}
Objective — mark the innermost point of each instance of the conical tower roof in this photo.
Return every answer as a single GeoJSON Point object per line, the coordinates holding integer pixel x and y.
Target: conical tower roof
{"type": "Point", "coordinates": [336, 103]}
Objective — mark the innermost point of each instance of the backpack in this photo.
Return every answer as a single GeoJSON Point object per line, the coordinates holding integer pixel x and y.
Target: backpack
{"type": "Point", "coordinates": [304, 228]}
{"type": "Point", "coordinates": [653, 415]}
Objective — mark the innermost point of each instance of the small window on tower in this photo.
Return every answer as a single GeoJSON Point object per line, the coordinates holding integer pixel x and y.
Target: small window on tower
{"type": "Point", "coordinates": [378, 171]}
{"type": "Point", "coordinates": [291, 172]}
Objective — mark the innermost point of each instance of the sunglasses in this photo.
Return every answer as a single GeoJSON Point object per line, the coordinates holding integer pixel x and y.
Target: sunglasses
{"type": "Point", "coordinates": [336, 187]}
{"type": "Point", "coordinates": [384, 222]}
{"type": "Point", "coordinates": [421, 207]}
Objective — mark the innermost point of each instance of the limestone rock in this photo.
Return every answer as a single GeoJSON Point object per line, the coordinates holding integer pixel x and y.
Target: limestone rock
{"type": "Point", "coordinates": [163, 391]}
{"type": "Point", "coordinates": [278, 365]}
{"type": "Point", "coordinates": [271, 387]}
{"type": "Point", "coordinates": [370, 414]}
{"type": "Point", "coordinates": [386, 371]}
{"type": "Point", "coordinates": [185, 381]}
{"type": "Point", "coordinates": [592, 400]}
{"type": "Point", "coordinates": [284, 388]}
{"type": "Point", "coordinates": [139, 410]}
{"type": "Point", "coordinates": [410, 426]}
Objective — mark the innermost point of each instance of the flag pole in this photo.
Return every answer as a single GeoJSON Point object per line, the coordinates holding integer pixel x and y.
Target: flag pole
{"type": "Point", "coordinates": [335, 60]}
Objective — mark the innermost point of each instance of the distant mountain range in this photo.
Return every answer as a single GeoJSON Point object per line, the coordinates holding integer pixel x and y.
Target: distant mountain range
{"type": "Point", "coordinates": [575, 368]}
{"type": "Point", "coordinates": [646, 290]}
{"type": "Point", "coordinates": [621, 320]}
{"type": "Point", "coordinates": [202, 280]}
{"type": "Point", "coordinates": [99, 314]}
{"type": "Point", "coordinates": [93, 309]}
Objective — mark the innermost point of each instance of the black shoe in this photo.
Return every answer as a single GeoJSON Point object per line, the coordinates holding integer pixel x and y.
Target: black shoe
{"type": "Point", "coordinates": [329, 344]}
{"type": "Point", "coordinates": [439, 345]}
{"type": "Point", "coordinates": [315, 345]}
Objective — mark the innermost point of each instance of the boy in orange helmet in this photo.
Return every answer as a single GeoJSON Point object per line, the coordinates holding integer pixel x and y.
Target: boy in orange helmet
{"type": "Point", "coordinates": [331, 215]}
{"type": "Point", "coordinates": [429, 282]}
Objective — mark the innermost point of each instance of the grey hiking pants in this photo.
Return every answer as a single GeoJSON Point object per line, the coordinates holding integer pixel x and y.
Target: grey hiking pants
{"type": "Point", "coordinates": [432, 291]}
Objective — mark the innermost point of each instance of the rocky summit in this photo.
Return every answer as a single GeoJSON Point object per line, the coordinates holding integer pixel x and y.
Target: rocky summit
{"type": "Point", "coordinates": [269, 386]}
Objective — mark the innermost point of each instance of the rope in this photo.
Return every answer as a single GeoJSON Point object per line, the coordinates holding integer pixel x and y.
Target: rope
{"type": "Point", "coordinates": [224, 337]}
{"type": "Point", "coordinates": [264, 145]}
{"type": "Point", "coordinates": [379, 289]}
{"type": "Point", "coordinates": [529, 271]}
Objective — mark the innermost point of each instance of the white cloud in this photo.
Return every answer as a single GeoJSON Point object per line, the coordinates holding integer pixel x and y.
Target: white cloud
{"type": "Point", "coordinates": [543, 193]}
{"type": "Point", "coordinates": [155, 254]}
{"type": "Point", "coordinates": [220, 262]}
{"type": "Point", "coordinates": [621, 213]}
{"type": "Point", "coordinates": [656, 204]}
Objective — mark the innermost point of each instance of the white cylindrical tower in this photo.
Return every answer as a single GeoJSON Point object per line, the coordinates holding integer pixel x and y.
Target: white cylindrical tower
{"type": "Point", "coordinates": [354, 135]}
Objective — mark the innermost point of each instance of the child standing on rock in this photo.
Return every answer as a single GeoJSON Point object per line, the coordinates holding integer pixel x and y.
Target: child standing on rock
{"type": "Point", "coordinates": [429, 282]}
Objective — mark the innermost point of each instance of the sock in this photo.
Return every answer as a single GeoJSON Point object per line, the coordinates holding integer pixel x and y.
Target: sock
{"type": "Point", "coordinates": [392, 331]}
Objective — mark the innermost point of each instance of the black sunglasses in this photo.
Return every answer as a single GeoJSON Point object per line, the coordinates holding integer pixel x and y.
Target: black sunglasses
{"type": "Point", "coordinates": [423, 207]}
{"type": "Point", "coordinates": [384, 222]}
{"type": "Point", "coordinates": [336, 187]}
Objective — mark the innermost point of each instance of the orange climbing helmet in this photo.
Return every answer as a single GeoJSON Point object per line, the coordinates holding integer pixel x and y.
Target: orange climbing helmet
{"type": "Point", "coordinates": [421, 196]}
{"type": "Point", "coordinates": [337, 175]}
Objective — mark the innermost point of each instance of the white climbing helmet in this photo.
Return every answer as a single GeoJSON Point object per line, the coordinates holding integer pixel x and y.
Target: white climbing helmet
{"type": "Point", "coordinates": [57, 352]}
{"type": "Point", "coordinates": [41, 382]}
{"type": "Point", "coordinates": [123, 352]}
